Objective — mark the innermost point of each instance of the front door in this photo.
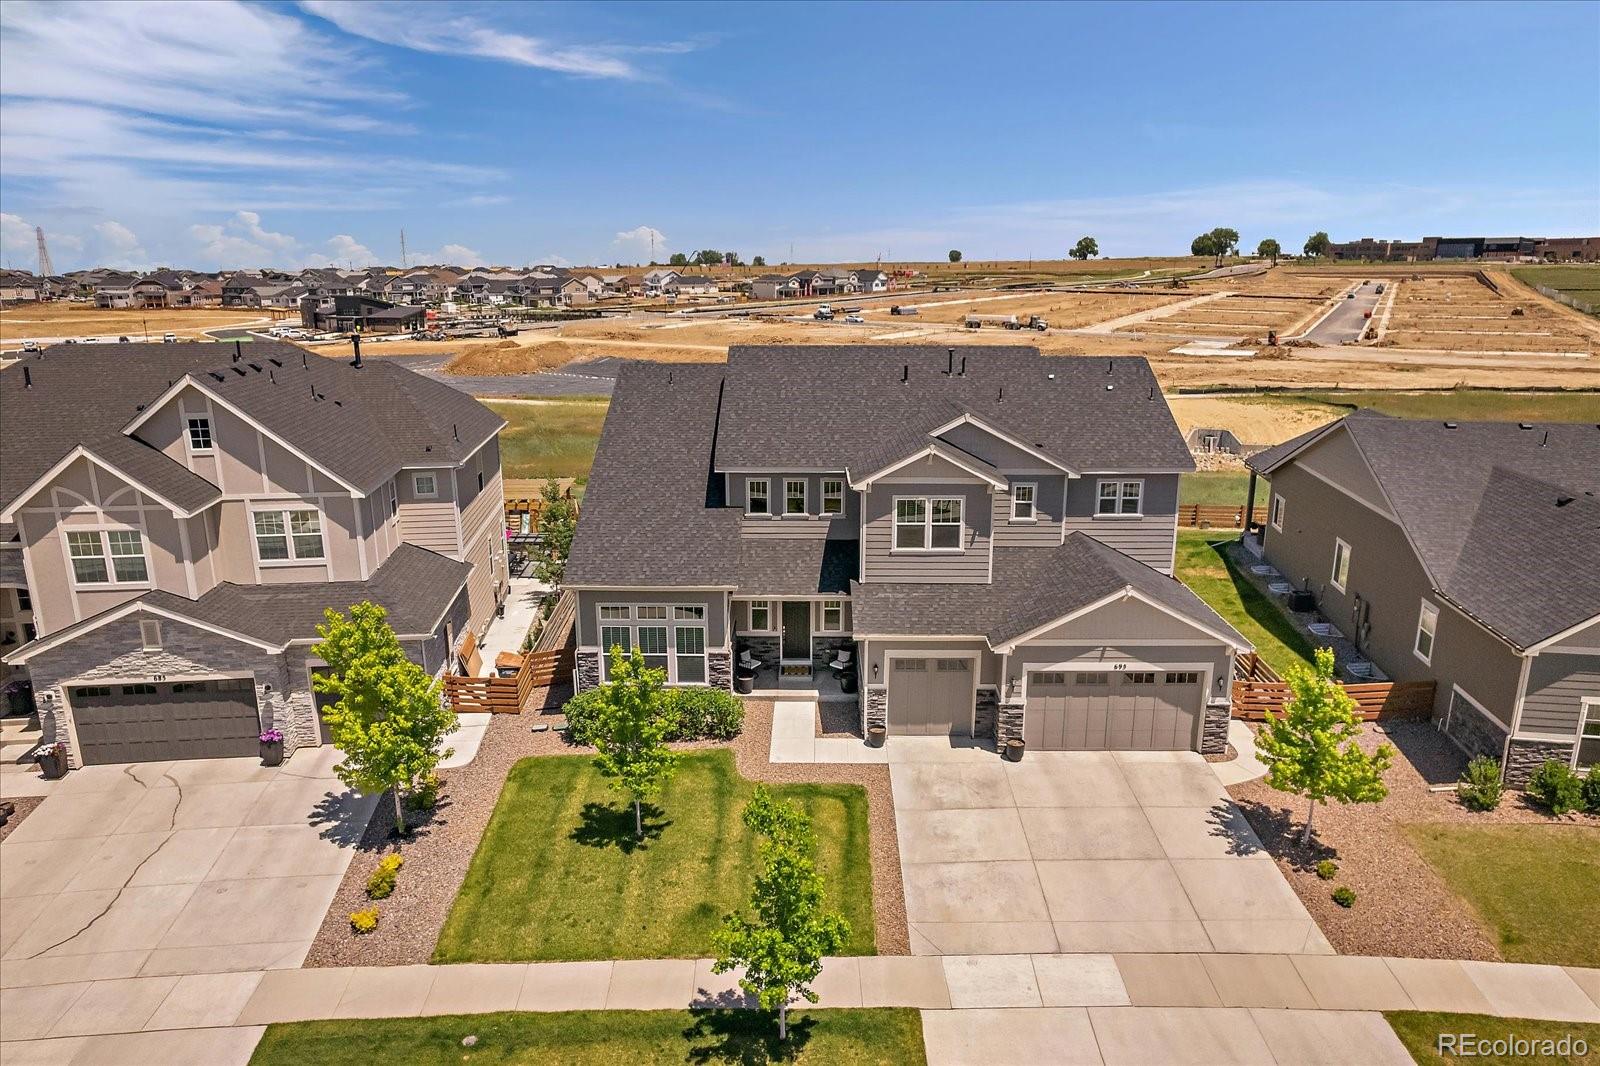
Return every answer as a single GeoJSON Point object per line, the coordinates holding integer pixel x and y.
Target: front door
{"type": "Point", "coordinates": [797, 630]}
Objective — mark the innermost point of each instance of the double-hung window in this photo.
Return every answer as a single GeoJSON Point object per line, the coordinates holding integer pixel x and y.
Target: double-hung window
{"type": "Point", "coordinates": [691, 657]}
{"type": "Point", "coordinates": [107, 557]}
{"type": "Point", "coordinates": [794, 496]}
{"type": "Point", "coordinates": [927, 523]}
{"type": "Point", "coordinates": [1119, 498]}
{"type": "Point", "coordinates": [1023, 495]}
{"type": "Point", "coordinates": [288, 535]}
{"type": "Point", "coordinates": [1427, 625]}
{"type": "Point", "coordinates": [832, 496]}
{"type": "Point", "coordinates": [758, 496]}
{"type": "Point", "coordinates": [1587, 754]}
{"type": "Point", "coordinates": [653, 646]}
{"type": "Point", "coordinates": [1341, 564]}
{"type": "Point", "coordinates": [1278, 509]}
{"type": "Point", "coordinates": [760, 616]}
{"type": "Point", "coordinates": [424, 486]}
{"type": "Point", "coordinates": [199, 434]}
{"type": "Point", "coordinates": [832, 616]}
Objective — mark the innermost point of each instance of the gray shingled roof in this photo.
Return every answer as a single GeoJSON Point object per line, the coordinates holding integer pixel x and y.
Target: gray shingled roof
{"type": "Point", "coordinates": [1467, 494]}
{"type": "Point", "coordinates": [1032, 587]}
{"type": "Point", "coordinates": [829, 407]}
{"type": "Point", "coordinates": [360, 424]}
{"type": "Point", "coordinates": [416, 586]}
{"type": "Point", "coordinates": [653, 514]}
{"type": "Point", "coordinates": [790, 566]}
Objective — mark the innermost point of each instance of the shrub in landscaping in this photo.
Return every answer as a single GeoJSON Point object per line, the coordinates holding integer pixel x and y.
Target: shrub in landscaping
{"type": "Point", "coordinates": [705, 713]}
{"type": "Point", "coordinates": [1344, 896]}
{"type": "Point", "coordinates": [1557, 787]}
{"type": "Point", "coordinates": [425, 795]}
{"type": "Point", "coordinates": [1591, 791]}
{"type": "Point", "coordinates": [1327, 869]}
{"type": "Point", "coordinates": [364, 921]}
{"type": "Point", "coordinates": [1480, 785]}
{"type": "Point", "coordinates": [581, 711]}
{"type": "Point", "coordinates": [380, 884]}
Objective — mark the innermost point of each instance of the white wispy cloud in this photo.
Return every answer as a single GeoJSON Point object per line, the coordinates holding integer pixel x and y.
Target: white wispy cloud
{"type": "Point", "coordinates": [640, 241]}
{"type": "Point", "coordinates": [420, 28]}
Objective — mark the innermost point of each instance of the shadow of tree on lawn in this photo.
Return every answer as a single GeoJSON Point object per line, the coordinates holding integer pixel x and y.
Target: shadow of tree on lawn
{"type": "Point", "coordinates": [603, 826]}
{"type": "Point", "coordinates": [746, 1037]}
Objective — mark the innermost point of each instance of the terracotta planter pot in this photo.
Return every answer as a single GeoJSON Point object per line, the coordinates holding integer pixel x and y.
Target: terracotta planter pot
{"type": "Point", "coordinates": [272, 753]}
{"type": "Point", "coordinates": [1013, 751]}
{"type": "Point", "coordinates": [876, 736]}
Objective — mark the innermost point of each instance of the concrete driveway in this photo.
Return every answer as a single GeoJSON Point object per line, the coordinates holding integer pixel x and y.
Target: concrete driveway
{"type": "Point", "coordinates": [1083, 852]}
{"type": "Point", "coordinates": [148, 869]}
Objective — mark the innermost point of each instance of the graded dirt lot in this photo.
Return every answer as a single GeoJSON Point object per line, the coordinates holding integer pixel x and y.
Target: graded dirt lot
{"type": "Point", "coordinates": [64, 319]}
{"type": "Point", "coordinates": [1460, 313]}
{"type": "Point", "coordinates": [1252, 420]}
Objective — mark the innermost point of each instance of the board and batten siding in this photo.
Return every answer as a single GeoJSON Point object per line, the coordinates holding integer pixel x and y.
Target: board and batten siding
{"type": "Point", "coordinates": [969, 565]}
{"type": "Point", "coordinates": [1150, 537]}
{"type": "Point", "coordinates": [1557, 686]}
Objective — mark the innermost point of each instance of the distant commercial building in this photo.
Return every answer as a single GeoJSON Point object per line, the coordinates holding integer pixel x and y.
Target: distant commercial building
{"type": "Point", "coordinates": [1495, 249]}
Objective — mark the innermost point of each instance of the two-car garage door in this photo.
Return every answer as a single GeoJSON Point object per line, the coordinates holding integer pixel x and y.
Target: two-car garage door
{"type": "Point", "coordinates": [1114, 710]}
{"type": "Point", "coordinates": [209, 719]}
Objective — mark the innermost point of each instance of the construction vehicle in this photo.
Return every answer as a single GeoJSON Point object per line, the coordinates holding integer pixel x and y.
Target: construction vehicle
{"type": "Point", "coordinates": [823, 313]}
{"type": "Point", "coordinates": [897, 309]}
{"type": "Point", "coordinates": [1006, 322]}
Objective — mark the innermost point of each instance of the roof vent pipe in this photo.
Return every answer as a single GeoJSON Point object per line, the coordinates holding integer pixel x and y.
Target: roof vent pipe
{"type": "Point", "coordinates": [905, 373]}
{"type": "Point", "coordinates": [27, 377]}
{"type": "Point", "coordinates": [1546, 442]}
{"type": "Point", "coordinates": [455, 433]}
{"type": "Point", "coordinates": [355, 343]}
{"type": "Point", "coordinates": [238, 354]}
{"type": "Point", "coordinates": [963, 366]}
{"type": "Point", "coordinates": [1108, 366]}
{"type": "Point", "coordinates": [951, 367]}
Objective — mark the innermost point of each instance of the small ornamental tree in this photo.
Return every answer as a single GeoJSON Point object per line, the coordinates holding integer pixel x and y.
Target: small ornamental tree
{"type": "Point", "coordinates": [782, 947]}
{"type": "Point", "coordinates": [1086, 248]}
{"type": "Point", "coordinates": [1310, 749]}
{"type": "Point", "coordinates": [387, 715]}
{"type": "Point", "coordinates": [558, 521]}
{"type": "Point", "coordinates": [631, 724]}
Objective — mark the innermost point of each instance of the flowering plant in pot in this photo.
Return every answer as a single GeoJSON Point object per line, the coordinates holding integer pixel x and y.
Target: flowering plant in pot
{"type": "Point", "coordinates": [52, 759]}
{"type": "Point", "coordinates": [271, 747]}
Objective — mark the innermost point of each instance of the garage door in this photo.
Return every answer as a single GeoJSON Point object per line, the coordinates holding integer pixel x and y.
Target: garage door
{"type": "Point", "coordinates": [930, 696]}
{"type": "Point", "coordinates": [1113, 710]}
{"type": "Point", "coordinates": [184, 720]}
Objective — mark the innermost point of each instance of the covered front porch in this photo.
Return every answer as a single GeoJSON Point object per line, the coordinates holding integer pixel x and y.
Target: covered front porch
{"type": "Point", "coordinates": [789, 647]}
{"type": "Point", "coordinates": [815, 684]}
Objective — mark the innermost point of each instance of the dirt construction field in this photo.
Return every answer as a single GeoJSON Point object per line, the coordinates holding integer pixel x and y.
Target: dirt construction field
{"type": "Point", "coordinates": [48, 321]}
{"type": "Point", "coordinates": [1461, 313]}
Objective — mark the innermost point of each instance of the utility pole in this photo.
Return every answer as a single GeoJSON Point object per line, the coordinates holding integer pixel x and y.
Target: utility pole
{"type": "Point", "coordinates": [403, 264]}
{"type": "Point", "coordinates": [46, 268]}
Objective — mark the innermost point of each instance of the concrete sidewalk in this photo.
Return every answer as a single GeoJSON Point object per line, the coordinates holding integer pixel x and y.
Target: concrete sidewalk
{"type": "Point", "coordinates": [1232, 1002]}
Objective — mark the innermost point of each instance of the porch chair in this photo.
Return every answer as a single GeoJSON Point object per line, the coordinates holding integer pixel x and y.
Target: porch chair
{"type": "Point", "coordinates": [843, 663]}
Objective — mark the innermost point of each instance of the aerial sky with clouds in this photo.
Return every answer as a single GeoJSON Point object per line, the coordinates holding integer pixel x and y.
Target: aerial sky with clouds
{"type": "Point", "coordinates": [221, 133]}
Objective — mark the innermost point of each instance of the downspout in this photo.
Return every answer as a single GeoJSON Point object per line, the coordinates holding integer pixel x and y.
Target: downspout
{"type": "Point", "coordinates": [1250, 509]}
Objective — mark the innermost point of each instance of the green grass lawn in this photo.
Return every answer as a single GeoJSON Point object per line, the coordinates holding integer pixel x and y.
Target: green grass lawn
{"type": "Point", "coordinates": [1532, 885]}
{"type": "Point", "coordinates": [1218, 488]}
{"type": "Point", "coordinates": [1419, 1032]}
{"type": "Point", "coordinates": [1464, 404]}
{"type": "Point", "coordinates": [1582, 283]}
{"type": "Point", "coordinates": [847, 1037]}
{"type": "Point", "coordinates": [1202, 566]}
{"type": "Point", "coordinates": [556, 439]}
{"type": "Point", "coordinates": [558, 875]}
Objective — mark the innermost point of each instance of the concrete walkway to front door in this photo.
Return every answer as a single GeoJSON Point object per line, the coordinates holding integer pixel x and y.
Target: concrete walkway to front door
{"type": "Point", "coordinates": [1126, 851]}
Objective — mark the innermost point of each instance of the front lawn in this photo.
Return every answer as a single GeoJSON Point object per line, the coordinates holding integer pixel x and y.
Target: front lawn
{"type": "Point", "coordinates": [1213, 577]}
{"type": "Point", "coordinates": [1419, 1031]}
{"type": "Point", "coordinates": [601, 1038]}
{"type": "Point", "coordinates": [1532, 885]}
{"type": "Point", "coordinates": [559, 876]}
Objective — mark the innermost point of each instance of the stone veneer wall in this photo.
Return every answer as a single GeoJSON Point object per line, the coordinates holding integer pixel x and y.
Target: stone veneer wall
{"type": "Point", "coordinates": [585, 670]}
{"type": "Point", "coordinates": [1214, 733]}
{"type": "Point", "coordinates": [1523, 757]}
{"type": "Point", "coordinates": [825, 649]}
{"type": "Point", "coordinates": [876, 707]}
{"type": "Point", "coordinates": [763, 648]}
{"type": "Point", "coordinates": [988, 712]}
{"type": "Point", "coordinates": [719, 670]}
{"type": "Point", "coordinates": [1009, 723]}
{"type": "Point", "coordinates": [1473, 731]}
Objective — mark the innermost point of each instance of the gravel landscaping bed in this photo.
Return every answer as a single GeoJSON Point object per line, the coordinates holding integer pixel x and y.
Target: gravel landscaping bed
{"type": "Point", "coordinates": [24, 807]}
{"type": "Point", "coordinates": [442, 843]}
{"type": "Point", "coordinates": [1402, 906]}
{"type": "Point", "coordinates": [837, 718]}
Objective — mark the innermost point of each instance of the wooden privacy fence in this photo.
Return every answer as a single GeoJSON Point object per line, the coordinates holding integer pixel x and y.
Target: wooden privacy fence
{"type": "Point", "coordinates": [1252, 667]}
{"type": "Point", "coordinates": [1202, 516]}
{"type": "Point", "coordinates": [506, 695]}
{"type": "Point", "coordinates": [1374, 700]}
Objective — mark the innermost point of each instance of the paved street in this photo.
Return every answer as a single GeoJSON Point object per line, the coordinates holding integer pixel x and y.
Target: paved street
{"type": "Point", "coordinates": [1346, 322]}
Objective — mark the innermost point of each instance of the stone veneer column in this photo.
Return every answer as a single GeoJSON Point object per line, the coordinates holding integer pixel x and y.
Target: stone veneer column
{"type": "Point", "coordinates": [1009, 723]}
{"type": "Point", "coordinates": [719, 670]}
{"type": "Point", "coordinates": [876, 708]}
{"type": "Point", "coordinates": [1473, 731]}
{"type": "Point", "coordinates": [987, 713]}
{"type": "Point", "coordinates": [585, 670]}
{"type": "Point", "coordinates": [1523, 757]}
{"type": "Point", "coordinates": [1214, 733]}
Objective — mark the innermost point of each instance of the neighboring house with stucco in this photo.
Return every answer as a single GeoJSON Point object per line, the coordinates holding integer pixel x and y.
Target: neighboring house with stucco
{"type": "Point", "coordinates": [1465, 553]}
{"type": "Point", "coordinates": [184, 521]}
{"type": "Point", "coordinates": [983, 536]}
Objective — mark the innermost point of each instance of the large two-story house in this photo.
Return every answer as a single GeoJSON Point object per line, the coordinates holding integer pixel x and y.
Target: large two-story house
{"type": "Point", "coordinates": [988, 533]}
{"type": "Point", "coordinates": [184, 514]}
{"type": "Point", "coordinates": [1467, 553]}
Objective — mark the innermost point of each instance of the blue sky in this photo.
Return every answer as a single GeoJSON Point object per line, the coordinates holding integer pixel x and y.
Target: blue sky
{"type": "Point", "coordinates": [291, 134]}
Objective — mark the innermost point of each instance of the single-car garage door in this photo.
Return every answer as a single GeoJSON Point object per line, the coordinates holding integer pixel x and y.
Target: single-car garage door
{"type": "Point", "coordinates": [930, 696]}
{"type": "Point", "coordinates": [1114, 710]}
{"type": "Point", "coordinates": [181, 720]}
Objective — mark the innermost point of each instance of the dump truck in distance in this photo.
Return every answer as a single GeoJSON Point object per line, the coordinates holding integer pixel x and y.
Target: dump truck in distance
{"type": "Point", "coordinates": [1006, 321]}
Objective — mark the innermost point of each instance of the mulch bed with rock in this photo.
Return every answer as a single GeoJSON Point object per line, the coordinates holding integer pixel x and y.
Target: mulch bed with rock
{"type": "Point", "coordinates": [21, 807]}
{"type": "Point", "coordinates": [442, 842]}
{"type": "Point", "coordinates": [1402, 907]}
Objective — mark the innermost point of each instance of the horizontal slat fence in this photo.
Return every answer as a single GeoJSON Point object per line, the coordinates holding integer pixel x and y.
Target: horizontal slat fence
{"type": "Point", "coordinates": [1204, 516]}
{"type": "Point", "coordinates": [1374, 700]}
{"type": "Point", "coordinates": [506, 695]}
